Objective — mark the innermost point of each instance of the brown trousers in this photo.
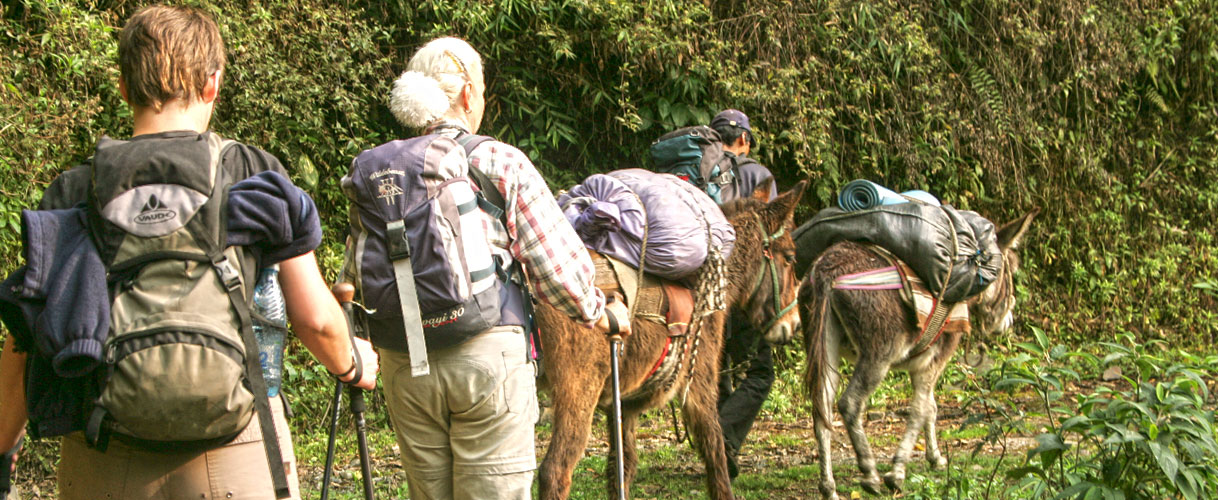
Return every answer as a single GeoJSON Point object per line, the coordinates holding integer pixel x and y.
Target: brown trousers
{"type": "Point", "coordinates": [237, 470]}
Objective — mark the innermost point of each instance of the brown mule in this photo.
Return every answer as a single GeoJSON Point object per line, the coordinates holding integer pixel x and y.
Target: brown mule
{"type": "Point", "coordinates": [577, 359]}
{"type": "Point", "coordinates": [873, 329]}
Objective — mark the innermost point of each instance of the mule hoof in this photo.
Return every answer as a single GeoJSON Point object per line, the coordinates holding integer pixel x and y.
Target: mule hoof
{"type": "Point", "coordinates": [894, 482]}
{"type": "Point", "coordinates": [828, 491]}
{"type": "Point", "coordinates": [872, 486]}
{"type": "Point", "coordinates": [937, 463]}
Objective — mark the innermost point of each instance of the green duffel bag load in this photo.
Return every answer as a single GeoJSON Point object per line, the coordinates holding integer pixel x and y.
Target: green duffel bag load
{"type": "Point", "coordinates": [955, 252]}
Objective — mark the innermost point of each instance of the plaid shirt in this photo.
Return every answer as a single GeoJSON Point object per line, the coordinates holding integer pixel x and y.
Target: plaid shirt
{"type": "Point", "coordinates": [537, 232]}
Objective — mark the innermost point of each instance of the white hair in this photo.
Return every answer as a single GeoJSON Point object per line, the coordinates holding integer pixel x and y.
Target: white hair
{"type": "Point", "coordinates": [433, 80]}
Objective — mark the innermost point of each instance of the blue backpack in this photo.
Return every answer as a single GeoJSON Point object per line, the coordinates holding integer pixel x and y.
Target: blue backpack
{"type": "Point", "coordinates": [421, 255]}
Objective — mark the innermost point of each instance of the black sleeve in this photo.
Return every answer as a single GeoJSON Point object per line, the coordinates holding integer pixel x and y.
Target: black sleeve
{"type": "Point", "coordinates": [245, 161]}
{"type": "Point", "coordinates": [67, 190]}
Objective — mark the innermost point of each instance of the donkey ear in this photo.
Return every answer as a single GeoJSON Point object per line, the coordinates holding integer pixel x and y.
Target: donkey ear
{"type": "Point", "coordinates": [784, 205]}
{"type": "Point", "coordinates": [1010, 234]}
{"type": "Point", "coordinates": [761, 192]}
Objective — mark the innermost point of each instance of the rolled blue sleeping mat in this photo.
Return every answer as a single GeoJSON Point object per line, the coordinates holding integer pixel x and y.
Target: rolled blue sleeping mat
{"type": "Point", "coordinates": [861, 194]}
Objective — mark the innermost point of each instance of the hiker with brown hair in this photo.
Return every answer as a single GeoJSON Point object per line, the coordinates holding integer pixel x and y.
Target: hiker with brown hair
{"type": "Point", "coordinates": [172, 65]}
{"type": "Point", "coordinates": [464, 405]}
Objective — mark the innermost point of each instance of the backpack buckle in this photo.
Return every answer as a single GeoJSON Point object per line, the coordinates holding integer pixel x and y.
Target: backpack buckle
{"type": "Point", "coordinates": [395, 235]}
{"type": "Point", "coordinates": [724, 178]}
{"type": "Point", "coordinates": [228, 274]}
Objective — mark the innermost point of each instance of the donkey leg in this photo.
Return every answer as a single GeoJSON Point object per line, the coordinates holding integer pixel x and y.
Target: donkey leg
{"type": "Point", "coordinates": [574, 405]}
{"type": "Point", "coordinates": [702, 418]}
{"type": "Point", "coordinates": [922, 414]}
{"type": "Point", "coordinates": [933, 456]}
{"type": "Point", "coordinates": [630, 426]}
{"type": "Point", "coordinates": [927, 387]}
{"type": "Point", "coordinates": [868, 373]}
{"type": "Point", "coordinates": [824, 429]}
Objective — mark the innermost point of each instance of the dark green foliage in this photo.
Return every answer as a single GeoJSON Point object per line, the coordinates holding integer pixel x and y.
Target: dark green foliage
{"type": "Point", "coordinates": [1104, 116]}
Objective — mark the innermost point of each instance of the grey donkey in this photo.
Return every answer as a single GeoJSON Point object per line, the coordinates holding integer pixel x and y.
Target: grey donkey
{"type": "Point", "coordinates": [875, 330]}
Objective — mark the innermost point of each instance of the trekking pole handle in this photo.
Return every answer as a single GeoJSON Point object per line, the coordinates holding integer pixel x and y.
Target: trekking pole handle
{"type": "Point", "coordinates": [614, 332]}
{"type": "Point", "coordinates": [343, 292]}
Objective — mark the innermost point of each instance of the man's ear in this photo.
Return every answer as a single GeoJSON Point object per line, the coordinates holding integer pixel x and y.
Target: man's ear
{"type": "Point", "coordinates": [211, 87]}
{"type": "Point", "coordinates": [742, 141]}
{"type": "Point", "coordinates": [762, 191]}
{"type": "Point", "coordinates": [122, 89]}
{"type": "Point", "coordinates": [467, 96]}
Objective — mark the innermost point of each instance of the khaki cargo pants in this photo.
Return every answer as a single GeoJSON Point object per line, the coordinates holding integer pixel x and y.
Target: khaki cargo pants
{"type": "Point", "coordinates": [466, 430]}
{"type": "Point", "coordinates": [237, 470]}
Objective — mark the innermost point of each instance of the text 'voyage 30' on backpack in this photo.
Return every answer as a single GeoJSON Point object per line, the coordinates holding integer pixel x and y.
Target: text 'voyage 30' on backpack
{"type": "Point", "coordinates": [182, 365]}
{"type": "Point", "coordinates": [421, 252]}
{"type": "Point", "coordinates": [695, 154]}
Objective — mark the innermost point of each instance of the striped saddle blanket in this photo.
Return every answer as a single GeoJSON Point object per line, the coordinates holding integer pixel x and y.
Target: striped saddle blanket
{"type": "Point", "coordinates": [933, 317]}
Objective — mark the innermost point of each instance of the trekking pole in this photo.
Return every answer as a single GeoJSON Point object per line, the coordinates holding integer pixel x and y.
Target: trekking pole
{"type": "Point", "coordinates": [615, 347]}
{"type": "Point", "coordinates": [325, 477]}
{"type": "Point", "coordinates": [6, 468]}
{"type": "Point", "coordinates": [345, 293]}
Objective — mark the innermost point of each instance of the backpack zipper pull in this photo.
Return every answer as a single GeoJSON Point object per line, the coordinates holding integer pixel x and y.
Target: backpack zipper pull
{"type": "Point", "coordinates": [111, 352]}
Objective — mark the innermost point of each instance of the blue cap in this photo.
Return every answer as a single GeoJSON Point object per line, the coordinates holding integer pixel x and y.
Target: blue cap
{"type": "Point", "coordinates": [734, 118]}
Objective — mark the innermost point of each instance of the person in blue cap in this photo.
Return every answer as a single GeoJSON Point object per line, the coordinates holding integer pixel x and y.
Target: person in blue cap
{"type": "Point", "coordinates": [738, 141]}
{"type": "Point", "coordinates": [740, 399]}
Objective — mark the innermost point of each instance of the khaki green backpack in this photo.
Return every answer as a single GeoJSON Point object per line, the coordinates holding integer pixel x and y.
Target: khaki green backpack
{"type": "Point", "coordinates": [181, 358]}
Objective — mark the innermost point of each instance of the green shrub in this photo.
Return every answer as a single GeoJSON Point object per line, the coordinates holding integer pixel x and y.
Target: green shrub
{"type": "Point", "coordinates": [1150, 436]}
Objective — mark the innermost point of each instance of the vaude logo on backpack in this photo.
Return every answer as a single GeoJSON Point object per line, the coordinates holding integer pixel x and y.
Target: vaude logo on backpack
{"type": "Point", "coordinates": [695, 154]}
{"type": "Point", "coordinates": [177, 371]}
{"type": "Point", "coordinates": [421, 252]}
{"type": "Point", "coordinates": [154, 213]}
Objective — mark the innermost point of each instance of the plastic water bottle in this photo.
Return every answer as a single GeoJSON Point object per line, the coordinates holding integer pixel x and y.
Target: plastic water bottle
{"type": "Point", "coordinates": [270, 328]}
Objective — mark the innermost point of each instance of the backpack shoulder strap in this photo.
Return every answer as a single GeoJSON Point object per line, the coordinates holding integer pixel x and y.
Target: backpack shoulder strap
{"type": "Point", "coordinates": [231, 279]}
{"type": "Point", "coordinates": [489, 191]}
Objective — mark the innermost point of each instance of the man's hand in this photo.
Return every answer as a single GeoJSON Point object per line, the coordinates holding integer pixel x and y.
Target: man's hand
{"type": "Point", "coordinates": [616, 309]}
{"type": "Point", "coordinates": [371, 364]}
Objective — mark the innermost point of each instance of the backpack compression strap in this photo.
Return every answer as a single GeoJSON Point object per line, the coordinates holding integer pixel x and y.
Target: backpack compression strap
{"type": "Point", "coordinates": [412, 319]}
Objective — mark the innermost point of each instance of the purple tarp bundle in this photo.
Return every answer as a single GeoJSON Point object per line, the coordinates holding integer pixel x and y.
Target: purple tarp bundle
{"type": "Point", "coordinates": [611, 211]}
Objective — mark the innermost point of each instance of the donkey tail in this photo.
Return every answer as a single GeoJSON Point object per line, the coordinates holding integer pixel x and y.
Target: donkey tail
{"type": "Point", "coordinates": [814, 306]}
